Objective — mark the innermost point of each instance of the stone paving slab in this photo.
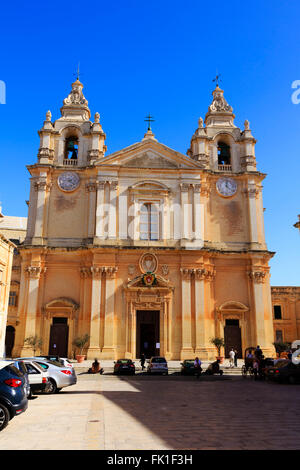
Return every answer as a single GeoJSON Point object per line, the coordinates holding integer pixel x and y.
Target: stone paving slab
{"type": "Point", "coordinates": [140, 412]}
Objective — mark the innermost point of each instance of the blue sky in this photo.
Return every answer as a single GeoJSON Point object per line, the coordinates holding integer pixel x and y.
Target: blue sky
{"type": "Point", "coordinates": [159, 57]}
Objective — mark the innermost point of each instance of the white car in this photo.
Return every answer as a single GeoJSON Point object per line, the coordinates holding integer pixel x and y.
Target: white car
{"type": "Point", "coordinates": [59, 376]}
{"type": "Point", "coordinates": [157, 365]}
{"type": "Point", "coordinates": [63, 360]}
{"type": "Point", "coordinates": [38, 377]}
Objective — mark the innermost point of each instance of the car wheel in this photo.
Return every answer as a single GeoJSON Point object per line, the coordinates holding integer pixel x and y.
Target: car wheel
{"type": "Point", "coordinates": [4, 416]}
{"type": "Point", "coordinates": [52, 386]}
{"type": "Point", "coordinates": [57, 390]}
{"type": "Point", "coordinates": [292, 380]}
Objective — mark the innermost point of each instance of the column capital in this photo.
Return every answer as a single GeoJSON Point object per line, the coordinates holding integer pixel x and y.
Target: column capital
{"type": "Point", "coordinates": [34, 272]}
{"type": "Point", "coordinates": [113, 185]}
{"type": "Point", "coordinates": [184, 187]}
{"type": "Point", "coordinates": [259, 276]}
{"type": "Point", "coordinates": [110, 271]}
{"type": "Point", "coordinates": [42, 186]}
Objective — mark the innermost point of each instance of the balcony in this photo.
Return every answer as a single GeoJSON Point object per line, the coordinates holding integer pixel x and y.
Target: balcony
{"type": "Point", "coordinates": [224, 167]}
{"type": "Point", "coordinates": [70, 162]}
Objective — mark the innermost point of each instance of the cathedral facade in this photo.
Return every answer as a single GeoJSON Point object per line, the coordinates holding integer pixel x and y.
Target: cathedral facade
{"type": "Point", "coordinates": [146, 249]}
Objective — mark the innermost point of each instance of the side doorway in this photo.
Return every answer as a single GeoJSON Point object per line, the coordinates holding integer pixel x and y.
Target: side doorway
{"type": "Point", "coordinates": [59, 334]}
{"type": "Point", "coordinates": [233, 337]}
{"type": "Point", "coordinates": [9, 340]}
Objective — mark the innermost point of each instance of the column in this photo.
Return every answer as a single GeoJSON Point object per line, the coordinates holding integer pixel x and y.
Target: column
{"type": "Point", "coordinates": [123, 216]}
{"type": "Point", "coordinates": [252, 193]}
{"type": "Point", "coordinates": [112, 214]}
{"type": "Point", "coordinates": [203, 323]}
{"type": "Point", "coordinates": [108, 350]}
{"type": "Point", "coordinates": [198, 214]}
{"type": "Point", "coordinates": [263, 319]}
{"type": "Point", "coordinates": [99, 231]}
{"type": "Point", "coordinates": [94, 347]}
{"type": "Point", "coordinates": [184, 187]}
{"type": "Point", "coordinates": [33, 273]}
{"type": "Point", "coordinates": [186, 309]}
{"type": "Point", "coordinates": [91, 189]}
{"type": "Point", "coordinates": [40, 186]}
{"type": "Point", "coordinates": [166, 219]}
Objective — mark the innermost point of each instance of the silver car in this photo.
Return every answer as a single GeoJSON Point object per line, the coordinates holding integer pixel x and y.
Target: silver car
{"type": "Point", "coordinates": [157, 365]}
{"type": "Point", "coordinates": [59, 376]}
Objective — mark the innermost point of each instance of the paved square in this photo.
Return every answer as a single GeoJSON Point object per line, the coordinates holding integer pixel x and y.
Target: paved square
{"type": "Point", "coordinates": [174, 412]}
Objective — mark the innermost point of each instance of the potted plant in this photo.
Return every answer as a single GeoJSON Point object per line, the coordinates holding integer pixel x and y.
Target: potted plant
{"type": "Point", "coordinates": [80, 342]}
{"type": "Point", "coordinates": [281, 348]}
{"type": "Point", "coordinates": [218, 343]}
{"type": "Point", "coordinates": [35, 342]}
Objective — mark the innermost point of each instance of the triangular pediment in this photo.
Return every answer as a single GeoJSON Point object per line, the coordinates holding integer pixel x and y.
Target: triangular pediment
{"type": "Point", "coordinates": [149, 154]}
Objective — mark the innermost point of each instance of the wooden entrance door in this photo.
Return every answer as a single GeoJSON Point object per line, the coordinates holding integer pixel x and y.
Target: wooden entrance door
{"type": "Point", "coordinates": [233, 338]}
{"type": "Point", "coordinates": [9, 340]}
{"type": "Point", "coordinates": [147, 333]}
{"type": "Point", "coordinates": [59, 333]}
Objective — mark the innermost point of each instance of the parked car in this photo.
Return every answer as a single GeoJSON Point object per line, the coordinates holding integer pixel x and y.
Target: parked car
{"type": "Point", "coordinates": [188, 367]}
{"type": "Point", "coordinates": [38, 377]}
{"type": "Point", "coordinates": [124, 366]}
{"type": "Point", "coordinates": [59, 376]}
{"type": "Point", "coordinates": [63, 360]}
{"type": "Point", "coordinates": [22, 368]}
{"type": "Point", "coordinates": [13, 392]}
{"type": "Point", "coordinates": [284, 371]}
{"type": "Point", "coordinates": [157, 365]}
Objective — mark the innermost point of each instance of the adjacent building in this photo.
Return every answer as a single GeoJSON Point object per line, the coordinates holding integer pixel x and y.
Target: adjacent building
{"type": "Point", "coordinates": [6, 259]}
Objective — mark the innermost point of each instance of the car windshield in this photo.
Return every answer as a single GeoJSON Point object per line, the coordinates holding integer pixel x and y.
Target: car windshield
{"type": "Point", "coordinates": [159, 360]}
{"type": "Point", "coordinates": [21, 366]}
{"type": "Point", "coordinates": [124, 361]}
{"type": "Point", "coordinates": [282, 363]}
{"type": "Point", "coordinates": [54, 363]}
{"type": "Point", "coordinates": [189, 362]}
{"type": "Point", "coordinates": [13, 370]}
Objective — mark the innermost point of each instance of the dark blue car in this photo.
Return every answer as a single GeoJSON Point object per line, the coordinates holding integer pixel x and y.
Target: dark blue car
{"type": "Point", "coordinates": [13, 392]}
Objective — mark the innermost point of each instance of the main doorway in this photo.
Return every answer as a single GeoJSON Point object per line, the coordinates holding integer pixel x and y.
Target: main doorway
{"type": "Point", "coordinates": [147, 333]}
{"type": "Point", "coordinates": [232, 337]}
{"type": "Point", "coordinates": [59, 334]}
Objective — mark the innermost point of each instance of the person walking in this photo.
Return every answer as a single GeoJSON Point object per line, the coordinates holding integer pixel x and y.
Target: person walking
{"type": "Point", "coordinates": [235, 358]}
{"type": "Point", "coordinates": [258, 353]}
{"type": "Point", "coordinates": [198, 368]}
{"type": "Point", "coordinates": [231, 358]}
{"type": "Point", "coordinates": [143, 360]}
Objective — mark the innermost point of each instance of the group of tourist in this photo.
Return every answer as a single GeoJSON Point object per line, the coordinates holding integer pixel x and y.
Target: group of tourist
{"type": "Point", "coordinates": [258, 362]}
{"type": "Point", "coordinates": [213, 368]}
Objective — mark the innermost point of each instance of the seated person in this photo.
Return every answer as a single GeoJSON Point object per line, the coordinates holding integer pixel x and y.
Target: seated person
{"type": "Point", "coordinates": [95, 369]}
{"type": "Point", "coordinates": [214, 368]}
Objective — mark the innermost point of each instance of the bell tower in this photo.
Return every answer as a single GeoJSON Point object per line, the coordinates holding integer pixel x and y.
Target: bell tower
{"type": "Point", "coordinates": [70, 147]}
{"type": "Point", "coordinates": [233, 215]}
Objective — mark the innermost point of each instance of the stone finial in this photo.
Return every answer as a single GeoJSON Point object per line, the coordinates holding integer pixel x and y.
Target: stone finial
{"type": "Point", "coordinates": [200, 122]}
{"type": "Point", "coordinates": [97, 118]}
{"type": "Point", "coordinates": [219, 104]}
{"type": "Point", "coordinates": [48, 116]}
{"type": "Point", "coordinates": [247, 125]}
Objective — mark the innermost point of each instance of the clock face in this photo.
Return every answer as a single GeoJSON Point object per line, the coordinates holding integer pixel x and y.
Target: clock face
{"type": "Point", "coordinates": [226, 186]}
{"type": "Point", "coordinates": [68, 181]}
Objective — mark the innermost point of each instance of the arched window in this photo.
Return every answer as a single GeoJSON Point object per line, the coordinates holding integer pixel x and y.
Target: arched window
{"type": "Point", "coordinates": [149, 221]}
{"type": "Point", "coordinates": [223, 154]}
{"type": "Point", "coordinates": [71, 148]}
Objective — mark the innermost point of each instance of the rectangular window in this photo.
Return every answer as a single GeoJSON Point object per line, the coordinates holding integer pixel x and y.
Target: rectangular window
{"type": "Point", "coordinates": [12, 301]}
{"type": "Point", "coordinates": [279, 336]}
{"type": "Point", "coordinates": [277, 312]}
{"type": "Point", "coordinates": [149, 222]}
